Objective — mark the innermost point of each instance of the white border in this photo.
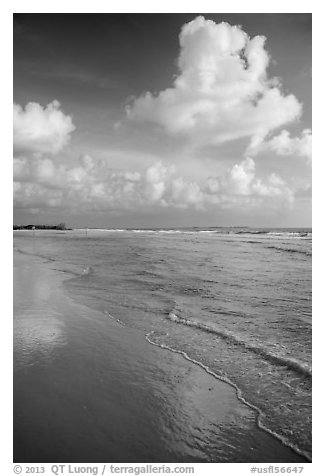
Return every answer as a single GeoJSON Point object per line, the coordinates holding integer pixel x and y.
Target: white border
{"type": "Point", "coordinates": [167, 6]}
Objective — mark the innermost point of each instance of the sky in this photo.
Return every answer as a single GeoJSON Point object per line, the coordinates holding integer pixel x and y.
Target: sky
{"type": "Point", "coordinates": [162, 120]}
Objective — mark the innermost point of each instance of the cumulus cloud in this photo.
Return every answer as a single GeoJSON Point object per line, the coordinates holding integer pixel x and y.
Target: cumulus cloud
{"type": "Point", "coordinates": [43, 130]}
{"type": "Point", "coordinates": [240, 185]}
{"type": "Point", "coordinates": [222, 91]}
{"type": "Point", "coordinates": [92, 185]}
{"type": "Point", "coordinates": [284, 144]}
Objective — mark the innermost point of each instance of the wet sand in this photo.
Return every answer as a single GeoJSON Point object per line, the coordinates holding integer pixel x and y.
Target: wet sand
{"type": "Point", "coordinates": [87, 389]}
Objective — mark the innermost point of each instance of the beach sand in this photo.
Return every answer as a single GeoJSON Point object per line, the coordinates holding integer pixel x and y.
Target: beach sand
{"type": "Point", "coordinates": [87, 389]}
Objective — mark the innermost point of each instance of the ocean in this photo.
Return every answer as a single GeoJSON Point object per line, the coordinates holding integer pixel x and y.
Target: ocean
{"type": "Point", "coordinates": [234, 304]}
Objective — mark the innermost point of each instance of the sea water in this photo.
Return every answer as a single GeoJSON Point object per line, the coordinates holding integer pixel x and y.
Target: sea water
{"type": "Point", "coordinates": [234, 301]}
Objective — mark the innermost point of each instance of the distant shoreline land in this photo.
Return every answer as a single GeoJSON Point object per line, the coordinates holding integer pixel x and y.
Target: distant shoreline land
{"type": "Point", "coordinates": [218, 229]}
{"type": "Point", "coordinates": [60, 226]}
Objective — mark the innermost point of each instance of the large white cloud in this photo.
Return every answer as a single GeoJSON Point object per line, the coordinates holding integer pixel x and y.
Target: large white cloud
{"type": "Point", "coordinates": [41, 130]}
{"type": "Point", "coordinates": [284, 144]}
{"type": "Point", "coordinates": [222, 91]}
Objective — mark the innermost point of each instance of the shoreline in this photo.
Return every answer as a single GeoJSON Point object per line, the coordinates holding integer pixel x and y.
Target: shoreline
{"type": "Point", "coordinates": [259, 413]}
{"type": "Point", "coordinates": [62, 331]}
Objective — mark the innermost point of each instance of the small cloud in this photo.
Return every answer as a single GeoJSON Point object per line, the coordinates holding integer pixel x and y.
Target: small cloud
{"type": "Point", "coordinates": [87, 161]}
{"type": "Point", "coordinates": [304, 192]}
{"type": "Point", "coordinates": [41, 130]}
{"type": "Point", "coordinates": [117, 125]}
{"type": "Point", "coordinates": [283, 144]}
{"type": "Point", "coordinates": [240, 185]}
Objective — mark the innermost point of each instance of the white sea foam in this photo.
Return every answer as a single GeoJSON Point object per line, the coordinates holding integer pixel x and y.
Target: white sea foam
{"type": "Point", "coordinates": [257, 349]}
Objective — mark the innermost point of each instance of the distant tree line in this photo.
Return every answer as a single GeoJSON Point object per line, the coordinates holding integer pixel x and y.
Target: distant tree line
{"type": "Point", "coordinates": [60, 226]}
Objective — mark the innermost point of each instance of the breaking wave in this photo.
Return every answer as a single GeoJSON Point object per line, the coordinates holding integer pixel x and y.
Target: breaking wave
{"type": "Point", "coordinates": [292, 364]}
{"type": "Point", "coordinates": [290, 250]}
